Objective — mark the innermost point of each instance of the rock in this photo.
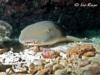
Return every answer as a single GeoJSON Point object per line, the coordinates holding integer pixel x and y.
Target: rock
{"type": "Point", "coordinates": [86, 50]}
{"type": "Point", "coordinates": [92, 71]}
{"type": "Point", "coordinates": [5, 30]}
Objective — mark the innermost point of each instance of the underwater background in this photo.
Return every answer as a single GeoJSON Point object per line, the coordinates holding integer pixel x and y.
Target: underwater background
{"type": "Point", "coordinates": [77, 21]}
{"type": "Point", "coordinates": [45, 50]}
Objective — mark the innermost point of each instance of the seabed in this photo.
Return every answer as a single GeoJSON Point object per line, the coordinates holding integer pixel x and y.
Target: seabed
{"type": "Point", "coordinates": [53, 61]}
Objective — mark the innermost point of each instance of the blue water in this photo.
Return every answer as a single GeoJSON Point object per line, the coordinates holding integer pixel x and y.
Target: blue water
{"type": "Point", "coordinates": [93, 35]}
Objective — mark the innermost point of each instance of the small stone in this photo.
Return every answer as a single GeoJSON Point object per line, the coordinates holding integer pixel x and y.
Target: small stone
{"type": "Point", "coordinates": [9, 71]}
{"type": "Point", "coordinates": [57, 66]}
{"type": "Point", "coordinates": [61, 72]}
{"type": "Point", "coordinates": [87, 72]}
{"type": "Point", "coordinates": [2, 50]}
{"type": "Point", "coordinates": [3, 73]}
{"type": "Point", "coordinates": [95, 70]}
{"type": "Point", "coordinates": [50, 54]}
{"type": "Point", "coordinates": [31, 69]}
{"type": "Point", "coordinates": [96, 58]}
{"type": "Point", "coordinates": [42, 72]}
{"type": "Point", "coordinates": [19, 68]}
{"type": "Point", "coordinates": [20, 74]}
{"type": "Point", "coordinates": [63, 62]}
{"type": "Point", "coordinates": [84, 63]}
{"type": "Point", "coordinates": [38, 62]}
{"type": "Point", "coordinates": [4, 67]}
{"type": "Point", "coordinates": [35, 48]}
